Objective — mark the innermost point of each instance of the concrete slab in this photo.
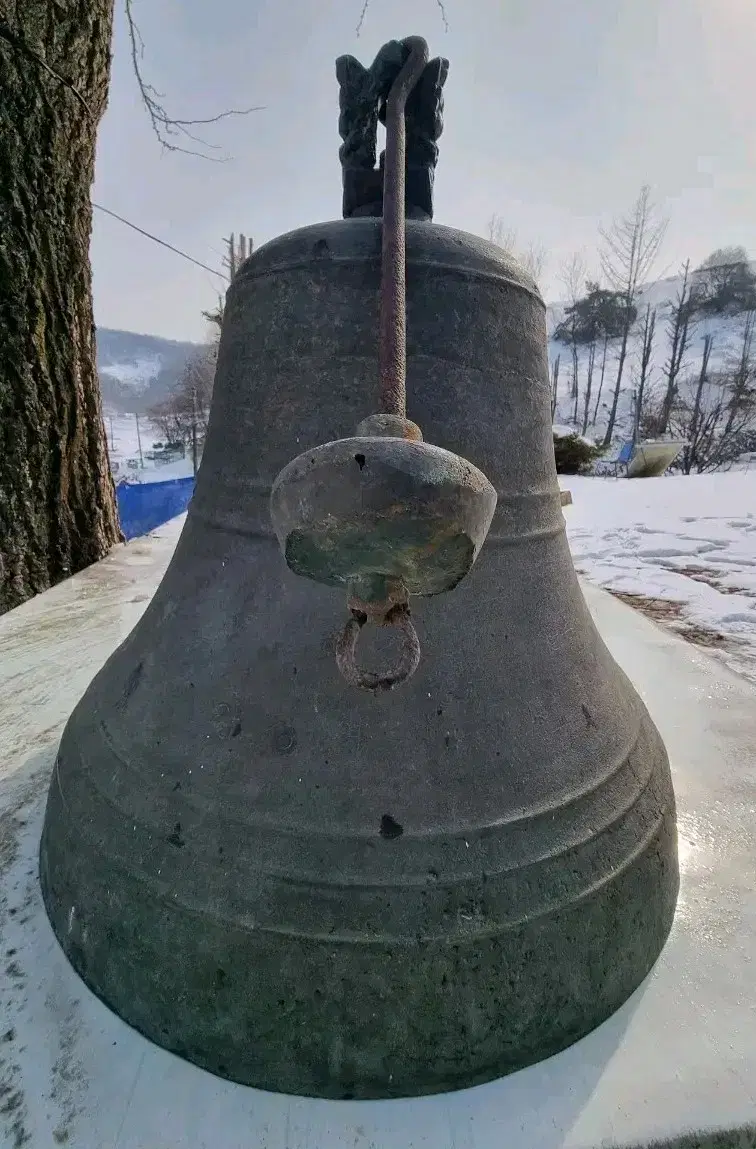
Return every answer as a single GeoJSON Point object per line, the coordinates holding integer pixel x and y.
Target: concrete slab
{"type": "Point", "coordinates": [679, 1056]}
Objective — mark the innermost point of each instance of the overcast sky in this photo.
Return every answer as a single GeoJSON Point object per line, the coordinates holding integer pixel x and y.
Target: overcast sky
{"type": "Point", "coordinates": [556, 112]}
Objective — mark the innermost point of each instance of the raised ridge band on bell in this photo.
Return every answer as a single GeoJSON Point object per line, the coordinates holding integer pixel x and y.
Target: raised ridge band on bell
{"type": "Point", "coordinates": [509, 853]}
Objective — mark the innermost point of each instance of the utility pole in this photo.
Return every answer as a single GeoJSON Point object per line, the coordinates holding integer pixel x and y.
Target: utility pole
{"type": "Point", "coordinates": [139, 440]}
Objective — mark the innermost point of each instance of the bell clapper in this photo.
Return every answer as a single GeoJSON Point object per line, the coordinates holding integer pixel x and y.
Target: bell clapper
{"type": "Point", "coordinates": [428, 511]}
{"type": "Point", "coordinates": [392, 610]}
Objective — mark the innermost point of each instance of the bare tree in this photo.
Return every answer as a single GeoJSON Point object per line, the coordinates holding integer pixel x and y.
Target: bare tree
{"type": "Point", "coordinates": [629, 250]}
{"type": "Point", "coordinates": [554, 385]}
{"type": "Point", "coordinates": [572, 274]}
{"type": "Point", "coordinates": [680, 327]}
{"type": "Point", "coordinates": [715, 414]}
{"type": "Point", "coordinates": [744, 372]}
{"type": "Point", "coordinates": [588, 384]}
{"type": "Point", "coordinates": [533, 258]}
{"type": "Point", "coordinates": [648, 331]}
{"type": "Point", "coordinates": [695, 429]}
{"type": "Point", "coordinates": [604, 353]}
{"type": "Point", "coordinates": [183, 416]}
{"type": "Point", "coordinates": [503, 236]}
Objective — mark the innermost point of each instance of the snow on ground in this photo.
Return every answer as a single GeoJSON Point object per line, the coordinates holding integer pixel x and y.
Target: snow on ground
{"type": "Point", "coordinates": [123, 445]}
{"type": "Point", "coordinates": [685, 540]}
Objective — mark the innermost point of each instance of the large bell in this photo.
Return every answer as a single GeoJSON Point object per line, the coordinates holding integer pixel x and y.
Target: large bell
{"type": "Point", "coordinates": [320, 890]}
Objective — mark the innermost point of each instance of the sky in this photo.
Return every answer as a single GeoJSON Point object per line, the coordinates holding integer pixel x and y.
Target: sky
{"type": "Point", "coordinates": [556, 112]}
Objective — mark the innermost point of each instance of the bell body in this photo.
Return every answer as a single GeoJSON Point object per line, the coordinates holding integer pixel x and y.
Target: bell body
{"type": "Point", "coordinates": [315, 890]}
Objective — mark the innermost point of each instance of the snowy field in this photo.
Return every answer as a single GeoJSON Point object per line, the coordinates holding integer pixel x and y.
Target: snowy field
{"type": "Point", "coordinates": [123, 446]}
{"type": "Point", "coordinates": [681, 548]}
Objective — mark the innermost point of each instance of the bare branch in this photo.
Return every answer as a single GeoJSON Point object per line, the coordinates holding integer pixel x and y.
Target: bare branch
{"type": "Point", "coordinates": [680, 328]}
{"type": "Point", "coordinates": [504, 237]}
{"type": "Point", "coordinates": [166, 127]}
{"type": "Point", "coordinates": [572, 275]}
{"type": "Point", "coordinates": [363, 14]}
{"type": "Point", "coordinates": [631, 245]}
{"type": "Point", "coordinates": [534, 260]}
{"type": "Point", "coordinates": [366, 4]}
{"type": "Point", "coordinates": [628, 251]}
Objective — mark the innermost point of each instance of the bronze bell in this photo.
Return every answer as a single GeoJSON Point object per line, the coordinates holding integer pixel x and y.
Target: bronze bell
{"type": "Point", "coordinates": [318, 890]}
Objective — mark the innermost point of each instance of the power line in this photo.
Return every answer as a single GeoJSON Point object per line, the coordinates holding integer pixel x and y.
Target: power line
{"type": "Point", "coordinates": [162, 242]}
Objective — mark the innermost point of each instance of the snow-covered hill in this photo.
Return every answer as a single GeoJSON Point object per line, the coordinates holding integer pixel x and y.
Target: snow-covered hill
{"type": "Point", "coordinates": [660, 294]}
{"type": "Point", "coordinates": [137, 371]}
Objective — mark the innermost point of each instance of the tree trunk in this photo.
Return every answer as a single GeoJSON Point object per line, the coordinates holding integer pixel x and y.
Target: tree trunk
{"type": "Point", "coordinates": [601, 380]}
{"type": "Point", "coordinates": [588, 384]}
{"type": "Point", "coordinates": [575, 382]}
{"type": "Point", "coordinates": [57, 500]}
{"type": "Point", "coordinates": [617, 387]}
{"type": "Point", "coordinates": [680, 336]}
{"type": "Point", "coordinates": [649, 330]}
{"type": "Point", "coordinates": [691, 451]}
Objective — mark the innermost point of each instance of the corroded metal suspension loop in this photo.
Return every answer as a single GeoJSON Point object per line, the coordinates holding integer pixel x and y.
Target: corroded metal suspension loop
{"type": "Point", "coordinates": [408, 660]}
{"type": "Point", "coordinates": [392, 367]}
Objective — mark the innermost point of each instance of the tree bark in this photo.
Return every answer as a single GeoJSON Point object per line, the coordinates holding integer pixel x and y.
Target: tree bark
{"type": "Point", "coordinates": [601, 379]}
{"type": "Point", "coordinates": [617, 383]}
{"type": "Point", "coordinates": [588, 384]}
{"type": "Point", "coordinates": [58, 510]}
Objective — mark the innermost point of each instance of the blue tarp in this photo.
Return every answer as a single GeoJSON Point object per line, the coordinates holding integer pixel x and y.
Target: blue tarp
{"type": "Point", "coordinates": [145, 506]}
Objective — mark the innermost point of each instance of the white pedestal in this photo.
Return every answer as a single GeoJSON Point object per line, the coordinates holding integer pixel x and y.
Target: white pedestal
{"type": "Point", "coordinates": [679, 1056]}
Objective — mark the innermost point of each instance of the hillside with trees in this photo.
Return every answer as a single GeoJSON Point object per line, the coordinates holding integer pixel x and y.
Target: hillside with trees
{"type": "Point", "coordinates": [633, 358]}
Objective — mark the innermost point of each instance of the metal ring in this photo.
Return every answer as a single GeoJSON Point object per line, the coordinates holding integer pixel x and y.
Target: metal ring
{"type": "Point", "coordinates": [409, 656]}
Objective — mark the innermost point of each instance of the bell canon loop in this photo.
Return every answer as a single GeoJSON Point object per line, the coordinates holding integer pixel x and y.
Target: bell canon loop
{"type": "Point", "coordinates": [367, 893]}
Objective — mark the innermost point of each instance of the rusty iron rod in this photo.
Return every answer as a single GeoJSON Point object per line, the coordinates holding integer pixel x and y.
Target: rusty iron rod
{"type": "Point", "coordinates": [392, 339]}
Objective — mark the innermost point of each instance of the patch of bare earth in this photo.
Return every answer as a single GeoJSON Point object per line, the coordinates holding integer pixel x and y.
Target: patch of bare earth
{"type": "Point", "coordinates": [670, 613]}
{"type": "Point", "coordinates": [710, 578]}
